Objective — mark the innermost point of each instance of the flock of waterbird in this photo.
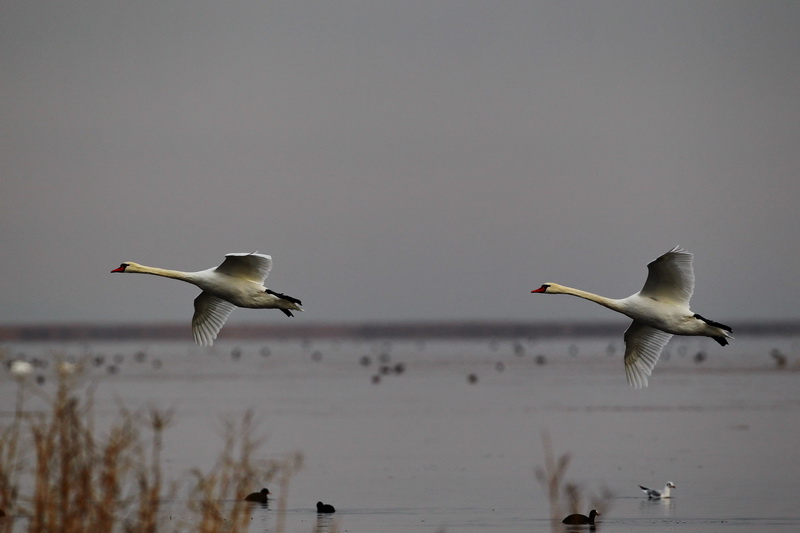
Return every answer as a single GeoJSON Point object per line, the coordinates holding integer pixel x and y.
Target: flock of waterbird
{"type": "Point", "coordinates": [659, 311]}
{"type": "Point", "coordinates": [263, 495]}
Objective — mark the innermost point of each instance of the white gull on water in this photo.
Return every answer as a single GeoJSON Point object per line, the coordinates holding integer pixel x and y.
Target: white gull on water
{"type": "Point", "coordinates": [653, 494]}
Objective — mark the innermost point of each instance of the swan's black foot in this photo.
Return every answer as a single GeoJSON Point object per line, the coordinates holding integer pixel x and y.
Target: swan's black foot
{"type": "Point", "coordinates": [284, 297]}
{"type": "Point", "coordinates": [286, 312]}
{"type": "Point", "coordinates": [715, 324]}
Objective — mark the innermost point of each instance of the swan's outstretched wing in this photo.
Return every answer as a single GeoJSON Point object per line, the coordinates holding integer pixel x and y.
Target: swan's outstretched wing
{"type": "Point", "coordinates": [643, 346]}
{"type": "Point", "coordinates": [670, 278]}
{"type": "Point", "coordinates": [210, 314]}
{"type": "Point", "coordinates": [253, 266]}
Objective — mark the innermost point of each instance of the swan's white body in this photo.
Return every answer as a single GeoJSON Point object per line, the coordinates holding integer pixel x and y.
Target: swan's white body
{"type": "Point", "coordinates": [237, 282]}
{"type": "Point", "coordinates": [653, 494]}
{"type": "Point", "coordinates": [659, 311]}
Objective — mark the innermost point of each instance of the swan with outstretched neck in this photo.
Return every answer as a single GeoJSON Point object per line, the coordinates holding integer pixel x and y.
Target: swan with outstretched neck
{"type": "Point", "coordinates": [659, 311]}
{"type": "Point", "coordinates": [237, 282]}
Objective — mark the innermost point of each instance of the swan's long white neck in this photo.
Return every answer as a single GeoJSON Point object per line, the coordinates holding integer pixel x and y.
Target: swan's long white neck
{"type": "Point", "coordinates": [136, 268]}
{"type": "Point", "coordinates": [611, 303]}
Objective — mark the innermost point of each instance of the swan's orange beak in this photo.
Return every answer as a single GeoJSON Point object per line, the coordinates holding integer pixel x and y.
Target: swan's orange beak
{"type": "Point", "coordinates": [543, 288]}
{"type": "Point", "coordinates": [121, 268]}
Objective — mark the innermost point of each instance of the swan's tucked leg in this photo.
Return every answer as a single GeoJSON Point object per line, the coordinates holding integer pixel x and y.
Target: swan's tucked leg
{"type": "Point", "coordinates": [284, 297]}
{"type": "Point", "coordinates": [715, 324]}
{"type": "Point", "coordinates": [723, 341]}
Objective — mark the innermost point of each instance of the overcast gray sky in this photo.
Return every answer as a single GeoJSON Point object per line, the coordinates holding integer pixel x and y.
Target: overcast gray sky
{"type": "Point", "coordinates": [403, 160]}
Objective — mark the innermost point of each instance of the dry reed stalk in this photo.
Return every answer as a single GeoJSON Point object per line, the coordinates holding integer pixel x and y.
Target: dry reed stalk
{"type": "Point", "coordinates": [289, 467]}
{"type": "Point", "coordinates": [552, 475]}
{"type": "Point", "coordinates": [82, 483]}
{"type": "Point", "coordinates": [12, 464]}
{"type": "Point", "coordinates": [552, 478]}
{"type": "Point", "coordinates": [78, 478]}
{"type": "Point", "coordinates": [232, 477]}
{"type": "Point", "coordinates": [150, 478]}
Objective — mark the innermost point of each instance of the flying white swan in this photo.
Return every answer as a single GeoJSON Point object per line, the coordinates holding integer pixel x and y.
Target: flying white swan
{"type": "Point", "coordinates": [653, 494]}
{"type": "Point", "coordinates": [659, 311]}
{"type": "Point", "coordinates": [237, 282]}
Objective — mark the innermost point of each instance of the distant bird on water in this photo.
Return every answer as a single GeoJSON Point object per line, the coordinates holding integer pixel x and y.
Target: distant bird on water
{"type": "Point", "coordinates": [659, 311]}
{"type": "Point", "coordinates": [21, 369]}
{"type": "Point", "coordinates": [581, 518]}
{"type": "Point", "coordinates": [653, 494]}
{"type": "Point", "coordinates": [325, 508]}
{"type": "Point", "coordinates": [237, 282]}
{"type": "Point", "coordinates": [260, 496]}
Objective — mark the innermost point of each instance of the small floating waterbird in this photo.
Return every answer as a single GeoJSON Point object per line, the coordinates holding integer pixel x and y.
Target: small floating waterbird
{"type": "Point", "coordinates": [653, 494]}
{"type": "Point", "coordinates": [325, 508]}
{"type": "Point", "coordinates": [237, 282]}
{"type": "Point", "coordinates": [21, 369]}
{"type": "Point", "coordinates": [260, 496]}
{"type": "Point", "coordinates": [659, 311]}
{"type": "Point", "coordinates": [581, 518]}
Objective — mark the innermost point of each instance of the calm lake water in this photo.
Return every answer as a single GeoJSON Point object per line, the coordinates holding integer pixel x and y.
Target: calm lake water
{"type": "Point", "coordinates": [453, 441]}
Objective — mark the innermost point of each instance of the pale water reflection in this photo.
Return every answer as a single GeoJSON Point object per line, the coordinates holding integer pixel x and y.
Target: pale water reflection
{"type": "Point", "coordinates": [427, 448]}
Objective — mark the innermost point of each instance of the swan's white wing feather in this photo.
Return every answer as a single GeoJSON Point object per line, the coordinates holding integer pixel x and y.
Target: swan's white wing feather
{"type": "Point", "coordinates": [643, 346]}
{"type": "Point", "coordinates": [253, 266]}
{"type": "Point", "coordinates": [210, 314]}
{"type": "Point", "coordinates": [670, 278]}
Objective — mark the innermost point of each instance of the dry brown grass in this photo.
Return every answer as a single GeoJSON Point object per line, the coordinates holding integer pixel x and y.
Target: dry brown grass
{"type": "Point", "coordinates": [232, 476]}
{"type": "Point", "coordinates": [59, 475]}
{"type": "Point", "coordinates": [552, 477]}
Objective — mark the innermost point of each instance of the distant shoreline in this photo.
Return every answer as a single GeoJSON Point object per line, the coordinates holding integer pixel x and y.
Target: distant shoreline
{"type": "Point", "coordinates": [368, 330]}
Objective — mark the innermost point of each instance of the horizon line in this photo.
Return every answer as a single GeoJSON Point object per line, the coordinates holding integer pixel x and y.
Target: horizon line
{"type": "Point", "coordinates": [390, 329]}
